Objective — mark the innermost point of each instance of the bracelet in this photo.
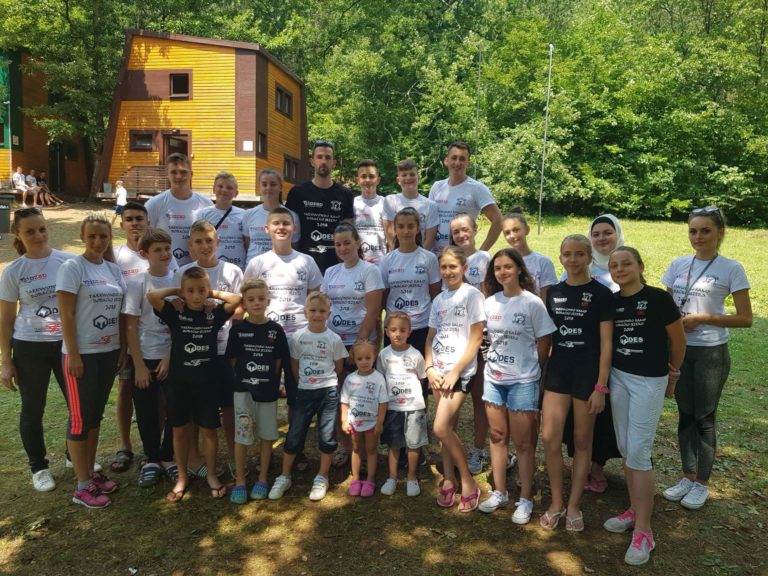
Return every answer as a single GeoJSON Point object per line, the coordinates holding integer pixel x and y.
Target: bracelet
{"type": "Point", "coordinates": [673, 370]}
{"type": "Point", "coordinates": [427, 368]}
{"type": "Point", "coordinates": [602, 389]}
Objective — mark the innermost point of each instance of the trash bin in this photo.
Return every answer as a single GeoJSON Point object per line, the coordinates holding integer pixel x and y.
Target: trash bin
{"type": "Point", "coordinates": [5, 213]}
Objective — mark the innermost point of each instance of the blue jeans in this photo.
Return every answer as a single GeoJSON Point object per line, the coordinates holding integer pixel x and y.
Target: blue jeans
{"type": "Point", "coordinates": [324, 403]}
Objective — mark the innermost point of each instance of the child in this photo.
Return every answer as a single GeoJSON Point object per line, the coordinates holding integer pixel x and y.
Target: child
{"type": "Point", "coordinates": [369, 212]}
{"type": "Point", "coordinates": [515, 229]}
{"type": "Point", "coordinates": [363, 407]}
{"type": "Point", "coordinates": [408, 180]}
{"type": "Point", "coordinates": [317, 358]}
{"type": "Point", "coordinates": [519, 330]}
{"type": "Point", "coordinates": [228, 220]}
{"type": "Point", "coordinates": [255, 219]}
{"type": "Point", "coordinates": [121, 199]}
{"type": "Point", "coordinates": [456, 323]}
{"type": "Point", "coordinates": [258, 352]}
{"type": "Point", "coordinates": [190, 391]}
{"type": "Point", "coordinates": [405, 424]}
{"type": "Point", "coordinates": [149, 344]}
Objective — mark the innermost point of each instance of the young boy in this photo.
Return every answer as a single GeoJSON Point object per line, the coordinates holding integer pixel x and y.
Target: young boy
{"type": "Point", "coordinates": [121, 199]}
{"type": "Point", "coordinates": [408, 180]}
{"type": "Point", "coordinates": [317, 359]}
{"type": "Point", "coordinates": [190, 391]}
{"type": "Point", "coordinates": [369, 212]}
{"type": "Point", "coordinates": [149, 344]}
{"type": "Point", "coordinates": [228, 220]}
{"type": "Point", "coordinates": [406, 420]}
{"type": "Point", "coordinates": [258, 352]}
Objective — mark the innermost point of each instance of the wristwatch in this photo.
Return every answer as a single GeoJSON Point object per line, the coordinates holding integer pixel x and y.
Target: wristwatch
{"type": "Point", "coordinates": [602, 389]}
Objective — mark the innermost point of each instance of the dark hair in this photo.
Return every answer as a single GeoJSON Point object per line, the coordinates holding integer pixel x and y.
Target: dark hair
{"type": "Point", "coordinates": [178, 158]}
{"type": "Point", "coordinates": [635, 255]}
{"type": "Point", "coordinates": [352, 229]}
{"type": "Point", "coordinates": [407, 164]}
{"type": "Point", "coordinates": [194, 273]}
{"type": "Point", "coordinates": [456, 216]}
{"type": "Point", "coordinates": [276, 174]}
{"type": "Point", "coordinates": [461, 145]}
{"type": "Point", "coordinates": [323, 144]}
{"type": "Point", "coordinates": [281, 210]}
{"type": "Point", "coordinates": [133, 205]}
{"type": "Point", "coordinates": [368, 163]}
{"type": "Point", "coordinates": [408, 211]}
{"type": "Point", "coordinates": [516, 213]}
{"type": "Point", "coordinates": [18, 216]}
{"type": "Point", "coordinates": [153, 236]}
{"type": "Point", "coordinates": [492, 285]}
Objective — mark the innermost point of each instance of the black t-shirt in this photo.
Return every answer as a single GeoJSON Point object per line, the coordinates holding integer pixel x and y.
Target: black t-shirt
{"type": "Point", "coordinates": [320, 210]}
{"type": "Point", "coordinates": [640, 342]}
{"type": "Point", "coordinates": [577, 312]}
{"type": "Point", "coordinates": [193, 340]}
{"type": "Point", "coordinates": [256, 349]}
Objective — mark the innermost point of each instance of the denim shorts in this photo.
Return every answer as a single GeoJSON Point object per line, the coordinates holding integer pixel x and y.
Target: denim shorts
{"type": "Point", "coordinates": [324, 403]}
{"type": "Point", "coordinates": [407, 429]}
{"type": "Point", "coordinates": [517, 397]}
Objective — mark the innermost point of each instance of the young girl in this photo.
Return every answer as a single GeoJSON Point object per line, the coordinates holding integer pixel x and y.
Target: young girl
{"type": "Point", "coordinates": [463, 232]}
{"type": "Point", "coordinates": [519, 332]}
{"type": "Point", "coordinates": [700, 284]}
{"type": "Point", "coordinates": [649, 345]}
{"type": "Point", "coordinates": [515, 229]}
{"type": "Point", "coordinates": [456, 323]}
{"type": "Point", "coordinates": [577, 375]}
{"type": "Point", "coordinates": [364, 402]}
{"type": "Point", "coordinates": [89, 290]}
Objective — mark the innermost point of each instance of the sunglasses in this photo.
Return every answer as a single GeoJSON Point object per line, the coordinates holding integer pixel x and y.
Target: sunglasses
{"type": "Point", "coordinates": [24, 212]}
{"type": "Point", "coordinates": [708, 211]}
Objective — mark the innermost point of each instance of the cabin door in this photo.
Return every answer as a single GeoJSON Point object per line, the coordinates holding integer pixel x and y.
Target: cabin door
{"type": "Point", "coordinates": [175, 143]}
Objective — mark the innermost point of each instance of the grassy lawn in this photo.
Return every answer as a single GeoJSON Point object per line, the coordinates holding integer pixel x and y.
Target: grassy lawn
{"type": "Point", "coordinates": [44, 534]}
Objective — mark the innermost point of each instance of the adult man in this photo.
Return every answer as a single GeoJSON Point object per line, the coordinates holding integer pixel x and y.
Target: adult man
{"type": "Point", "coordinates": [175, 209]}
{"type": "Point", "coordinates": [20, 183]}
{"type": "Point", "coordinates": [321, 205]}
{"type": "Point", "coordinates": [460, 193]}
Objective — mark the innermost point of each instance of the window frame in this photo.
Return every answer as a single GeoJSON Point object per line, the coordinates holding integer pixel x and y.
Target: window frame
{"type": "Point", "coordinates": [132, 147]}
{"type": "Point", "coordinates": [281, 95]}
{"type": "Point", "coordinates": [180, 96]}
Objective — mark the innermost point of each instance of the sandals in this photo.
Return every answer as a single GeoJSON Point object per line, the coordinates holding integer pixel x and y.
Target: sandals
{"type": "Point", "coordinates": [550, 520]}
{"type": "Point", "coordinates": [447, 497]}
{"type": "Point", "coordinates": [238, 495]}
{"type": "Point", "coordinates": [173, 473]}
{"type": "Point", "coordinates": [259, 491]}
{"type": "Point", "coordinates": [150, 475]}
{"type": "Point", "coordinates": [341, 458]}
{"type": "Point", "coordinates": [123, 460]}
{"type": "Point", "coordinates": [596, 486]}
{"type": "Point", "coordinates": [575, 523]}
{"type": "Point", "coordinates": [218, 492]}
{"type": "Point", "coordinates": [201, 472]}
{"type": "Point", "coordinates": [465, 500]}
{"type": "Point", "coordinates": [175, 496]}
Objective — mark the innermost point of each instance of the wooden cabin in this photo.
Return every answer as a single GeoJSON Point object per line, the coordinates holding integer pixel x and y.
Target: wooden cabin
{"type": "Point", "coordinates": [228, 105]}
{"type": "Point", "coordinates": [29, 146]}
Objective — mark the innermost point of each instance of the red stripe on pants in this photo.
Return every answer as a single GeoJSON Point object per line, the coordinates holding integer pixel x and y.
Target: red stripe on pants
{"type": "Point", "coordinates": [75, 415]}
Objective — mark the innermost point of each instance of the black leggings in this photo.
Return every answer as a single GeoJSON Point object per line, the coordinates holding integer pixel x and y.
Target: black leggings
{"type": "Point", "coordinates": [156, 435]}
{"type": "Point", "coordinates": [34, 362]}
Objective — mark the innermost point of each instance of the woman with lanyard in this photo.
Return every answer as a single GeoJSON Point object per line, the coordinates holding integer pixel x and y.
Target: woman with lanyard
{"type": "Point", "coordinates": [700, 284]}
{"type": "Point", "coordinates": [30, 341]}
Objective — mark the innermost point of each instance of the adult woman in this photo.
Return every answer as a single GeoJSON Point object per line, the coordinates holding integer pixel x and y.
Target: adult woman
{"type": "Point", "coordinates": [89, 290]}
{"type": "Point", "coordinates": [30, 342]}
{"type": "Point", "coordinates": [700, 284]}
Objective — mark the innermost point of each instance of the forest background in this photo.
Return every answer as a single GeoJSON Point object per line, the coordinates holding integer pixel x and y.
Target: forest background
{"type": "Point", "coordinates": [657, 105]}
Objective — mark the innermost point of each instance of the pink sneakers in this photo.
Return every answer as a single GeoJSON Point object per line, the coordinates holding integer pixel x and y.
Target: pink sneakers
{"type": "Point", "coordinates": [91, 497]}
{"type": "Point", "coordinates": [104, 484]}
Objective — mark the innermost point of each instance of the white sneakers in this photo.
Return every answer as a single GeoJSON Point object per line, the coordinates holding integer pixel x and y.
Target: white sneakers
{"type": "Point", "coordinates": [691, 495]}
{"type": "Point", "coordinates": [621, 523]}
{"type": "Point", "coordinates": [678, 491]}
{"type": "Point", "coordinates": [389, 487]}
{"type": "Point", "coordinates": [494, 501]}
{"type": "Point", "coordinates": [319, 488]}
{"type": "Point", "coordinates": [523, 512]}
{"type": "Point", "coordinates": [639, 550]}
{"type": "Point", "coordinates": [412, 488]}
{"type": "Point", "coordinates": [280, 487]}
{"type": "Point", "coordinates": [96, 466]}
{"type": "Point", "coordinates": [43, 481]}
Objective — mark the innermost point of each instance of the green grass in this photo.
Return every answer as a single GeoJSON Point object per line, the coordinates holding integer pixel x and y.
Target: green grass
{"type": "Point", "coordinates": [45, 534]}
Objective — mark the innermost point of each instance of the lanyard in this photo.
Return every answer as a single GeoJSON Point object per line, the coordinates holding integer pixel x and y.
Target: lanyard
{"type": "Point", "coordinates": [688, 284]}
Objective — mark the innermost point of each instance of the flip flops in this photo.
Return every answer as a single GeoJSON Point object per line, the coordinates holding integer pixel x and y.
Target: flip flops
{"type": "Point", "coordinates": [474, 499]}
{"type": "Point", "coordinates": [218, 492]}
{"type": "Point", "coordinates": [550, 520]}
{"type": "Point", "coordinates": [575, 523]}
{"type": "Point", "coordinates": [123, 460]}
{"type": "Point", "coordinates": [175, 496]}
{"type": "Point", "coordinates": [447, 497]}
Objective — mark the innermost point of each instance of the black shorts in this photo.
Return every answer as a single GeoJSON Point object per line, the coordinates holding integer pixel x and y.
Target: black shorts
{"type": "Point", "coordinates": [224, 378]}
{"type": "Point", "coordinates": [87, 396]}
{"type": "Point", "coordinates": [575, 378]}
{"type": "Point", "coordinates": [188, 401]}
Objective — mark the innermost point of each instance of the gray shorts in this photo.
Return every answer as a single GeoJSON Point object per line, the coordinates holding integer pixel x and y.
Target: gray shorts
{"type": "Point", "coordinates": [407, 429]}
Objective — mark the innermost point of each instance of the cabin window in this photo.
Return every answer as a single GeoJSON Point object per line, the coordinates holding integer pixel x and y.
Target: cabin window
{"type": "Point", "coordinates": [290, 169]}
{"type": "Point", "coordinates": [180, 86]}
{"type": "Point", "coordinates": [261, 144]}
{"type": "Point", "coordinates": [142, 141]}
{"type": "Point", "coordinates": [284, 101]}
{"type": "Point", "coordinates": [2, 134]}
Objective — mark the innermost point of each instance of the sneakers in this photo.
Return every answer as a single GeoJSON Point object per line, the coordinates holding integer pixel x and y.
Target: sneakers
{"type": "Point", "coordinates": [678, 491]}
{"type": "Point", "coordinates": [476, 460]}
{"type": "Point", "coordinates": [319, 488]}
{"type": "Point", "coordinates": [523, 511]}
{"type": "Point", "coordinates": [104, 484]}
{"type": "Point", "coordinates": [412, 488]}
{"type": "Point", "coordinates": [389, 487]}
{"type": "Point", "coordinates": [639, 550]}
{"type": "Point", "coordinates": [96, 466]}
{"type": "Point", "coordinates": [494, 501]}
{"type": "Point", "coordinates": [43, 481]}
{"type": "Point", "coordinates": [91, 497]}
{"type": "Point", "coordinates": [511, 460]}
{"type": "Point", "coordinates": [621, 523]}
{"type": "Point", "coordinates": [696, 497]}
{"type": "Point", "coordinates": [280, 487]}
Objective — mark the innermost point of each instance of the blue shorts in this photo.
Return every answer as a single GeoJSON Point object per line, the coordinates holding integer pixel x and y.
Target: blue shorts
{"type": "Point", "coordinates": [517, 397]}
{"type": "Point", "coordinates": [118, 209]}
{"type": "Point", "coordinates": [407, 429]}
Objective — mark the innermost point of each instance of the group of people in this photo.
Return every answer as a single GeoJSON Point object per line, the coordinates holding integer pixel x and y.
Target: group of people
{"type": "Point", "coordinates": [210, 311]}
{"type": "Point", "coordinates": [36, 186]}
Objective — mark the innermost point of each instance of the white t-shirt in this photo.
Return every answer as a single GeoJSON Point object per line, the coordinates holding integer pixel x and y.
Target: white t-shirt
{"type": "Point", "coordinates": [224, 277]}
{"type": "Point", "coordinates": [470, 196]}
{"type": "Point", "coordinates": [32, 283]}
{"type": "Point", "coordinates": [289, 279]}
{"type": "Point", "coordinates": [369, 221]}
{"type": "Point", "coordinates": [121, 196]}
{"type": "Point", "coordinates": [131, 263]}
{"type": "Point", "coordinates": [31, 181]}
{"type": "Point", "coordinates": [231, 247]}
{"type": "Point", "coordinates": [452, 315]}
{"type": "Point", "coordinates": [477, 266]}
{"type": "Point", "coordinates": [347, 288]}
{"type": "Point", "coordinates": [404, 372]}
{"type": "Point", "coordinates": [427, 209]}
{"type": "Point", "coordinates": [317, 353]}
{"type": "Point", "coordinates": [254, 221]}
{"type": "Point", "coordinates": [542, 269]}
{"type": "Point", "coordinates": [18, 181]}
{"type": "Point", "coordinates": [513, 326]}
{"type": "Point", "coordinates": [364, 394]}
{"type": "Point", "coordinates": [408, 277]}
{"type": "Point", "coordinates": [175, 217]}
{"type": "Point", "coordinates": [100, 290]}
{"type": "Point", "coordinates": [154, 334]}
{"type": "Point", "coordinates": [707, 292]}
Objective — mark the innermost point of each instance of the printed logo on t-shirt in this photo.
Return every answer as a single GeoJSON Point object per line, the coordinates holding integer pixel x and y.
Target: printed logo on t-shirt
{"type": "Point", "coordinates": [368, 247]}
{"type": "Point", "coordinates": [518, 318]}
{"type": "Point", "coordinates": [460, 311]}
{"type": "Point", "coordinates": [309, 371]}
{"type": "Point", "coordinates": [440, 348]}
{"type": "Point", "coordinates": [461, 202]}
{"type": "Point", "coordinates": [566, 331]}
{"type": "Point", "coordinates": [271, 335]}
{"type": "Point", "coordinates": [191, 348]}
{"type": "Point", "coordinates": [359, 286]}
{"type": "Point", "coordinates": [253, 367]}
{"type": "Point", "coordinates": [33, 278]}
{"type": "Point", "coordinates": [642, 307]}
{"type": "Point", "coordinates": [440, 236]}
{"type": "Point", "coordinates": [586, 298]}
{"type": "Point", "coordinates": [178, 253]}
{"type": "Point", "coordinates": [275, 317]}
{"type": "Point", "coordinates": [420, 269]}
{"type": "Point", "coordinates": [310, 204]}
{"type": "Point", "coordinates": [102, 322]}
{"type": "Point", "coordinates": [339, 321]}
{"type": "Point", "coordinates": [473, 272]}
{"type": "Point", "coordinates": [317, 236]}
{"type": "Point", "coordinates": [336, 205]}
{"type": "Point", "coordinates": [45, 311]}
{"type": "Point", "coordinates": [401, 303]}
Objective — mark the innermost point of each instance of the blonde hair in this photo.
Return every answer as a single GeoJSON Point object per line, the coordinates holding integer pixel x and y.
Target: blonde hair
{"type": "Point", "coordinates": [202, 226]}
{"type": "Point", "coordinates": [253, 284]}
{"type": "Point", "coordinates": [224, 175]}
{"type": "Point", "coordinates": [118, 183]}
{"type": "Point", "coordinates": [578, 238]}
{"type": "Point", "coordinates": [317, 295]}
{"type": "Point", "coordinates": [363, 344]}
{"type": "Point", "coordinates": [397, 315]}
{"type": "Point", "coordinates": [99, 218]}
